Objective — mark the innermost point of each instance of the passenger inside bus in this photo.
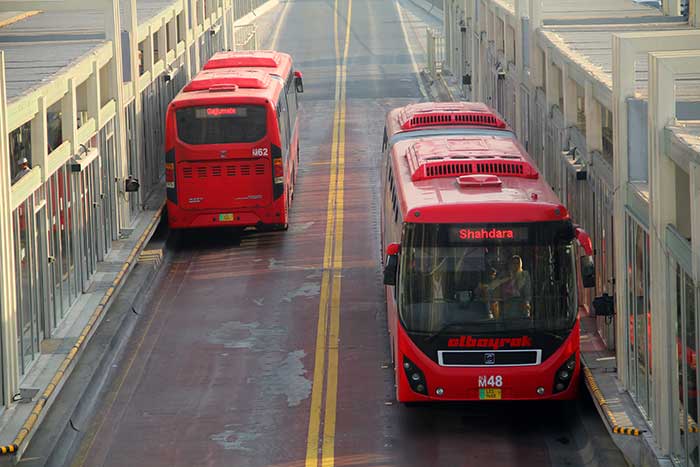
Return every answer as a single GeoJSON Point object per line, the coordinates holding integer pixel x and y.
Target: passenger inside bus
{"type": "Point", "coordinates": [516, 290]}
{"type": "Point", "coordinates": [508, 296]}
{"type": "Point", "coordinates": [486, 292]}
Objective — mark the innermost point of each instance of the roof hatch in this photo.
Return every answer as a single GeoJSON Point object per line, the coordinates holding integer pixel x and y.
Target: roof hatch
{"type": "Point", "coordinates": [228, 80]}
{"type": "Point", "coordinates": [479, 181]}
{"type": "Point", "coordinates": [249, 59]}
{"type": "Point", "coordinates": [470, 156]}
{"type": "Point", "coordinates": [448, 113]}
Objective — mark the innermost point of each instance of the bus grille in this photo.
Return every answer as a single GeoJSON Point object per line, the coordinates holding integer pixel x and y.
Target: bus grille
{"type": "Point", "coordinates": [453, 168]}
{"type": "Point", "coordinates": [489, 358]}
{"type": "Point", "coordinates": [238, 170]}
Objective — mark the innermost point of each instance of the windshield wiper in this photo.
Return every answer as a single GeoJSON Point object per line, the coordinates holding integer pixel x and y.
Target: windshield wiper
{"type": "Point", "coordinates": [445, 327]}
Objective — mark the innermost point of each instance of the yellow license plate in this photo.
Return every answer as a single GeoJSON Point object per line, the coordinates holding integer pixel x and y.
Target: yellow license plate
{"type": "Point", "coordinates": [225, 217]}
{"type": "Point", "coordinates": [489, 394]}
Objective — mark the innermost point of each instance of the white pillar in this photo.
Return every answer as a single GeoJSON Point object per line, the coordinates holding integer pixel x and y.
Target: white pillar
{"type": "Point", "coordinates": [671, 7]}
{"type": "Point", "coordinates": [227, 28]}
{"type": "Point", "coordinates": [552, 90]}
{"type": "Point", "coordinates": [521, 8]}
{"type": "Point", "coordinates": [161, 35]}
{"type": "Point", "coordinates": [594, 120]}
{"type": "Point", "coordinates": [8, 306]}
{"type": "Point", "coordinates": [570, 97]}
{"type": "Point", "coordinates": [195, 34]}
{"type": "Point", "coordinates": [93, 95]}
{"type": "Point", "coordinates": [113, 34]}
{"type": "Point", "coordinates": [185, 34]}
{"type": "Point", "coordinates": [69, 128]}
{"type": "Point", "coordinates": [40, 138]}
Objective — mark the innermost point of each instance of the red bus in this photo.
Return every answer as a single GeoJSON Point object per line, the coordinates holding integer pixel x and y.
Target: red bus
{"type": "Point", "coordinates": [480, 271]}
{"type": "Point", "coordinates": [232, 143]}
{"type": "Point", "coordinates": [442, 118]}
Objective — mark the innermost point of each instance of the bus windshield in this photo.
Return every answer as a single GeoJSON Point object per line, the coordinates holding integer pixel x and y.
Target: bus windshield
{"type": "Point", "coordinates": [490, 278]}
{"type": "Point", "coordinates": [216, 124]}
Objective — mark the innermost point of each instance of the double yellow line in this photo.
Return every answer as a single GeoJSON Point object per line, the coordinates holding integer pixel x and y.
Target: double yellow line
{"type": "Point", "coordinates": [328, 330]}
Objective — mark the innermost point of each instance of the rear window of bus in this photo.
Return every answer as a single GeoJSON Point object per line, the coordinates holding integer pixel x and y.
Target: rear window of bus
{"type": "Point", "coordinates": [221, 124]}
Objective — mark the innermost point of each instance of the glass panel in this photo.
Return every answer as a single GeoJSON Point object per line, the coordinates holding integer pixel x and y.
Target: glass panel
{"type": "Point", "coordinates": [64, 238]}
{"type": "Point", "coordinates": [679, 444]}
{"type": "Point", "coordinates": [502, 277]}
{"type": "Point", "coordinates": [221, 124]}
{"type": "Point", "coordinates": [41, 302]}
{"type": "Point", "coordinates": [642, 324]}
{"type": "Point", "coordinates": [690, 368]}
{"type": "Point", "coordinates": [631, 301]}
{"type": "Point", "coordinates": [647, 315]}
{"type": "Point", "coordinates": [72, 228]}
{"type": "Point", "coordinates": [25, 328]}
{"type": "Point", "coordinates": [82, 228]}
{"type": "Point", "coordinates": [54, 249]}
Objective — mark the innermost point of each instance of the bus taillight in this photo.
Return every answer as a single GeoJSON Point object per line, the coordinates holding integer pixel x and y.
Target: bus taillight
{"type": "Point", "coordinates": [278, 170]}
{"type": "Point", "coordinates": [169, 175]}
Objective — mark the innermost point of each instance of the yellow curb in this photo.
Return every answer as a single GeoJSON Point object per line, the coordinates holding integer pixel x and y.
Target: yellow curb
{"type": "Point", "coordinates": [603, 404]}
{"type": "Point", "coordinates": [38, 407]}
{"type": "Point", "coordinates": [19, 17]}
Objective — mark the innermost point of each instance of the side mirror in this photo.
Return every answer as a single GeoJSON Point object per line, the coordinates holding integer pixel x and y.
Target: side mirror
{"type": "Point", "coordinates": [584, 240]}
{"type": "Point", "coordinates": [587, 264]}
{"type": "Point", "coordinates": [604, 305]}
{"type": "Point", "coordinates": [391, 264]}
{"type": "Point", "coordinates": [587, 271]}
{"type": "Point", "coordinates": [298, 83]}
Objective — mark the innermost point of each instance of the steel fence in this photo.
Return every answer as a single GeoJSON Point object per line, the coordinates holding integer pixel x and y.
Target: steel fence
{"type": "Point", "coordinates": [243, 7]}
{"type": "Point", "coordinates": [246, 37]}
{"type": "Point", "coordinates": [435, 46]}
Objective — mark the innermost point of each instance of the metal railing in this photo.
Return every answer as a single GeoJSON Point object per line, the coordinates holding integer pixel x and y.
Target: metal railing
{"type": "Point", "coordinates": [435, 51]}
{"type": "Point", "coordinates": [243, 7]}
{"type": "Point", "coordinates": [246, 37]}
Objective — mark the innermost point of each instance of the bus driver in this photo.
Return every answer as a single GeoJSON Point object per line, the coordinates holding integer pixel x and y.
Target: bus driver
{"type": "Point", "coordinates": [515, 289]}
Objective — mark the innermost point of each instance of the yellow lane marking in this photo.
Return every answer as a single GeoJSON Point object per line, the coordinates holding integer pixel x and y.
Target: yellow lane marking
{"type": "Point", "coordinates": [329, 423]}
{"type": "Point", "coordinates": [18, 17]}
{"type": "Point", "coordinates": [328, 330]}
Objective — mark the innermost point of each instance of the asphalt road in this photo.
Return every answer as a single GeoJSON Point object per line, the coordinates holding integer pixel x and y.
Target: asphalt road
{"type": "Point", "coordinates": [271, 349]}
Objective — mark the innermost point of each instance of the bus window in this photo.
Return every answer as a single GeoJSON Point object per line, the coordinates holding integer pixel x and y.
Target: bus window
{"type": "Point", "coordinates": [292, 101]}
{"type": "Point", "coordinates": [221, 124]}
{"type": "Point", "coordinates": [282, 118]}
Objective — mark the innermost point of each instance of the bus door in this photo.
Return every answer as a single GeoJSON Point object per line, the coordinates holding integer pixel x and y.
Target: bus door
{"type": "Point", "coordinates": [226, 164]}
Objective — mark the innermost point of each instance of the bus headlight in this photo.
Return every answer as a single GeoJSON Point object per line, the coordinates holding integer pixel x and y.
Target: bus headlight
{"type": "Point", "coordinates": [562, 377]}
{"type": "Point", "coordinates": [415, 377]}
